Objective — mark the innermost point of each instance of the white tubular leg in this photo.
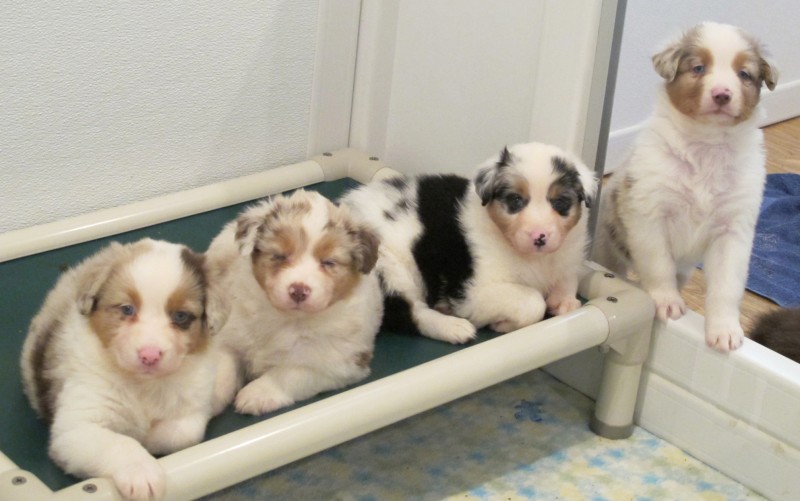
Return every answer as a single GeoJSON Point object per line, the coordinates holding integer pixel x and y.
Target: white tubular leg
{"type": "Point", "coordinates": [630, 313]}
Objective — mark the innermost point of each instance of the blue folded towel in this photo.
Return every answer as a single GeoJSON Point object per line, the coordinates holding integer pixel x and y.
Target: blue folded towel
{"type": "Point", "coordinates": [775, 263]}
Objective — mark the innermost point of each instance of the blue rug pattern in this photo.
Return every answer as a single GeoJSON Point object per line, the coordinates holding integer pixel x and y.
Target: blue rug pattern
{"type": "Point", "coordinates": [775, 263]}
{"type": "Point", "coordinates": [524, 439]}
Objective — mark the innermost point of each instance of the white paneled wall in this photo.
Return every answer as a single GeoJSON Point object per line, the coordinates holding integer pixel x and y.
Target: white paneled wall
{"type": "Point", "coordinates": [462, 82]}
{"type": "Point", "coordinates": [441, 85]}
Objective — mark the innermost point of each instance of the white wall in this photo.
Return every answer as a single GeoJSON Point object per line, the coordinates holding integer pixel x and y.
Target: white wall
{"type": "Point", "coordinates": [442, 85]}
{"type": "Point", "coordinates": [105, 103]}
{"type": "Point", "coordinates": [651, 23]}
{"type": "Point", "coordinates": [457, 72]}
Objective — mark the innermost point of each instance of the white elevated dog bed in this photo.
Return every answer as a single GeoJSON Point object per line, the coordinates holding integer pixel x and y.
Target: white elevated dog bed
{"type": "Point", "coordinates": [617, 318]}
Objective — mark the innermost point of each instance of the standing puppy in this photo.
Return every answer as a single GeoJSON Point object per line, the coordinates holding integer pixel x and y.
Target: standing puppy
{"type": "Point", "coordinates": [497, 251]}
{"type": "Point", "coordinates": [305, 304]}
{"type": "Point", "coordinates": [119, 362]}
{"type": "Point", "coordinates": [691, 188]}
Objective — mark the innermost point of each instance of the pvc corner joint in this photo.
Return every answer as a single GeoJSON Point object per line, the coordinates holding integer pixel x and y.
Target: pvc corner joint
{"type": "Point", "coordinates": [629, 310]}
{"type": "Point", "coordinates": [20, 484]}
{"type": "Point", "coordinates": [353, 163]}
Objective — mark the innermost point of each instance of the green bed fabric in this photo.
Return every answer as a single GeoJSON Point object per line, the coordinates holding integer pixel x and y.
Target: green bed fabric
{"type": "Point", "coordinates": [24, 283]}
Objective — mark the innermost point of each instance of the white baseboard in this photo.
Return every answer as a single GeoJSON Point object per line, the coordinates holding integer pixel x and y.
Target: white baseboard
{"type": "Point", "coordinates": [734, 447]}
{"type": "Point", "coordinates": [781, 104]}
{"type": "Point", "coordinates": [620, 142]}
{"type": "Point", "coordinates": [737, 412]}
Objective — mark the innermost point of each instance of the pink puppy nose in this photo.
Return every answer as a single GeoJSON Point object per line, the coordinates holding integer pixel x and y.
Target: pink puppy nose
{"type": "Point", "coordinates": [721, 96]}
{"type": "Point", "coordinates": [149, 355]}
{"type": "Point", "coordinates": [299, 292]}
{"type": "Point", "coordinates": [539, 238]}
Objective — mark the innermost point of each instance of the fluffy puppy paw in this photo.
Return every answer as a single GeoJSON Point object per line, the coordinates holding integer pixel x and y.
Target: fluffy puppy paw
{"type": "Point", "coordinates": [724, 335]}
{"type": "Point", "coordinates": [260, 397]}
{"type": "Point", "coordinates": [170, 435]}
{"type": "Point", "coordinates": [141, 480]}
{"type": "Point", "coordinates": [454, 330]}
{"type": "Point", "coordinates": [508, 325]}
{"type": "Point", "coordinates": [503, 326]}
{"type": "Point", "coordinates": [522, 313]}
{"type": "Point", "coordinates": [669, 304]}
{"type": "Point", "coordinates": [562, 305]}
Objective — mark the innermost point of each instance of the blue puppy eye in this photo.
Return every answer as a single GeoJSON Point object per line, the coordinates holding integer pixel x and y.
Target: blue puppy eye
{"type": "Point", "coordinates": [699, 69]}
{"type": "Point", "coordinates": [744, 75]}
{"type": "Point", "coordinates": [180, 318]}
{"type": "Point", "coordinates": [128, 310]}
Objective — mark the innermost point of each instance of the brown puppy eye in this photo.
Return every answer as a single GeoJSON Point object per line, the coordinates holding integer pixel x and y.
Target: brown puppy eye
{"type": "Point", "coordinates": [515, 203]}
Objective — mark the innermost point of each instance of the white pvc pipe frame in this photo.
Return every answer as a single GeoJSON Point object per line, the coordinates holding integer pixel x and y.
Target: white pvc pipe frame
{"type": "Point", "coordinates": [618, 318]}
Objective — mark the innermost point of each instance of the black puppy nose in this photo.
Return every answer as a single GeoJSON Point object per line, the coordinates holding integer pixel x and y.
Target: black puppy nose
{"type": "Point", "coordinates": [540, 241]}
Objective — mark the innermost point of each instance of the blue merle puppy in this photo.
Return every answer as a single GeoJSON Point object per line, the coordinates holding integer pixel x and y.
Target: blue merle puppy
{"type": "Point", "coordinates": [499, 250]}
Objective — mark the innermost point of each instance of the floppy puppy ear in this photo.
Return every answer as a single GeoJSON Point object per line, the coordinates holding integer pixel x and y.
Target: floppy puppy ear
{"type": "Point", "coordinates": [666, 61]}
{"type": "Point", "coordinates": [488, 175]}
{"type": "Point", "coordinates": [217, 308]}
{"type": "Point", "coordinates": [248, 226]}
{"type": "Point", "coordinates": [769, 73]}
{"type": "Point", "coordinates": [366, 253]}
{"type": "Point", "coordinates": [93, 273]}
{"type": "Point", "coordinates": [215, 305]}
{"type": "Point", "coordinates": [588, 184]}
{"type": "Point", "coordinates": [485, 182]}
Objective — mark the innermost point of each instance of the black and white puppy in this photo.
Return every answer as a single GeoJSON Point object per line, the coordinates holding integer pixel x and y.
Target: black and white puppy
{"type": "Point", "coordinates": [496, 251]}
{"type": "Point", "coordinates": [691, 187]}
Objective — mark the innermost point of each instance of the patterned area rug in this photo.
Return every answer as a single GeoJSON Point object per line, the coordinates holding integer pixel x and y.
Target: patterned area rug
{"type": "Point", "coordinates": [523, 439]}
